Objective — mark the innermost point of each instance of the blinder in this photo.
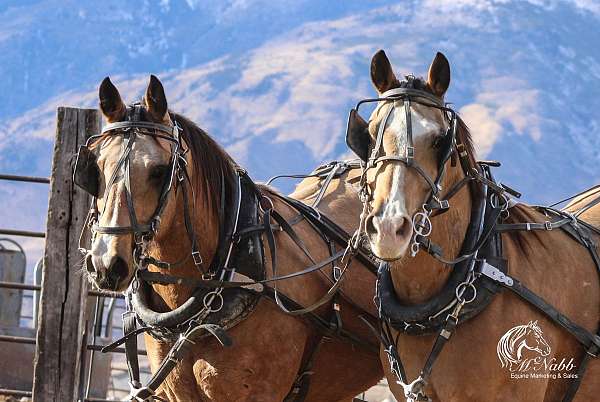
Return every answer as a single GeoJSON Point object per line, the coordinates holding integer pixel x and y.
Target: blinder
{"type": "Point", "coordinates": [358, 138]}
{"type": "Point", "coordinates": [87, 173]}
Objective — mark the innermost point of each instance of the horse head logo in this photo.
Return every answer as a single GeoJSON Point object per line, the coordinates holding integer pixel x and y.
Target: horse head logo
{"type": "Point", "coordinates": [515, 341]}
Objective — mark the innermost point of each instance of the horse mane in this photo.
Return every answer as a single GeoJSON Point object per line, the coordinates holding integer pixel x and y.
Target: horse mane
{"type": "Point", "coordinates": [464, 137]}
{"type": "Point", "coordinates": [214, 169]}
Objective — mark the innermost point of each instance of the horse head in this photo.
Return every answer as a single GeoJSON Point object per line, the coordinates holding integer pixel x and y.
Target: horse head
{"type": "Point", "coordinates": [406, 144]}
{"type": "Point", "coordinates": [148, 189]}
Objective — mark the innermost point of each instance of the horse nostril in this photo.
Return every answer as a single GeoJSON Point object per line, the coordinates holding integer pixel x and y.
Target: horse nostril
{"type": "Point", "coordinates": [89, 266]}
{"type": "Point", "coordinates": [403, 227]}
{"type": "Point", "coordinates": [370, 226]}
{"type": "Point", "coordinates": [117, 271]}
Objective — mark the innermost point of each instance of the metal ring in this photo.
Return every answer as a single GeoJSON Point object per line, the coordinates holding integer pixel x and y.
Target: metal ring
{"type": "Point", "coordinates": [459, 294]}
{"type": "Point", "coordinates": [414, 248]}
{"type": "Point", "coordinates": [208, 304]}
{"type": "Point", "coordinates": [270, 205]}
{"type": "Point", "coordinates": [424, 226]}
{"type": "Point", "coordinates": [494, 200]}
{"type": "Point", "coordinates": [506, 202]}
{"type": "Point", "coordinates": [337, 272]}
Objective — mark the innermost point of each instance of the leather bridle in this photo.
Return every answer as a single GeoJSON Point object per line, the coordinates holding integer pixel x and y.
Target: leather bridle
{"type": "Point", "coordinates": [143, 233]}
{"type": "Point", "coordinates": [447, 143]}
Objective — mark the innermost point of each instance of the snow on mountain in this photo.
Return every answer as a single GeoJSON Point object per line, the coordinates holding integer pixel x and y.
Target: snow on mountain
{"type": "Point", "coordinates": [273, 82]}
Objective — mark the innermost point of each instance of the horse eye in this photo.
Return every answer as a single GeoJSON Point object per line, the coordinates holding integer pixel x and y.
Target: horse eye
{"type": "Point", "coordinates": [158, 173]}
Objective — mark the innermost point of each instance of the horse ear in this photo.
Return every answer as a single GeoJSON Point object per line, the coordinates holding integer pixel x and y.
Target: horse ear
{"type": "Point", "coordinates": [438, 77]}
{"type": "Point", "coordinates": [155, 99]}
{"type": "Point", "coordinates": [111, 104]}
{"type": "Point", "coordinates": [382, 74]}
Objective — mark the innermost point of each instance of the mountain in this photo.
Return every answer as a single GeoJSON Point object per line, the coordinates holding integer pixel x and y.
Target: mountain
{"type": "Point", "coordinates": [273, 81]}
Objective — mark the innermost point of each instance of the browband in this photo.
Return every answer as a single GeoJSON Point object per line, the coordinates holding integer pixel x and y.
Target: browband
{"type": "Point", "coordinates": [140, 124]}
{"type": "Point", "coordinates": [401, 92]}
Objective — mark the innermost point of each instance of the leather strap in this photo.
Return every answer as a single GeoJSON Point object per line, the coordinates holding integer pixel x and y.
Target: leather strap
{"type": "Point", "coordinates": [156, 277]}
{"type": "Point", "coordinates": [529, 226]}
{"type": "Point", "coordinates": [582, 335]}
{"type": "Point", "coordinates": [131, 352]}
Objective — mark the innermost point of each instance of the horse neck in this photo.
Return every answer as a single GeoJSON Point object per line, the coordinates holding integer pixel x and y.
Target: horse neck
{"type": "Point", "coordinates": [422, 277]}
{"type": "Point", "coordinates": [175, 244]}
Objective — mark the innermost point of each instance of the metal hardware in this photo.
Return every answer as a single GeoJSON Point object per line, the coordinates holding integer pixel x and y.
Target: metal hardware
{"type": "Point", "coordinates": [495, 274]}
{"type": "Point", "coordinates": [197, 257]}
{"type": "Point", "coordinates": [337, 273]}
{"type": "Point", "coordinates": [414, 392]}
{"type": "Point", "coordinates": [461, 289]}
{"type": "Point", "coordinates": [421, 227]}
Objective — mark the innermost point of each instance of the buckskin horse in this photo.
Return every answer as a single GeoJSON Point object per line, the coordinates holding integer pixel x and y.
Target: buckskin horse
{"type": "Point", "coordinates": [464, 262]}
{"type": "Point", "coordinates": [180, 225]}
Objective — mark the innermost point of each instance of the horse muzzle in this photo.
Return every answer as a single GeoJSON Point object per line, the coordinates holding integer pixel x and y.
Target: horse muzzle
{"type": "Point", "coordinates": [389, 236]}
{"type": "Point", "coordinates": [111, 277]}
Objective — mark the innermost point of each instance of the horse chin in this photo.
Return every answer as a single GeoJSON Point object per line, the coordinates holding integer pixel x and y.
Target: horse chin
{"type": "Point", "coordinates": [105, 284]}
{"type": "Point", "coordinates": [389, 252]}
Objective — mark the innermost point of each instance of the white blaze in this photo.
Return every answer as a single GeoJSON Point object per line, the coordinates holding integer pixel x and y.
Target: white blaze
{"type": "Point", "coordinates": [396, 126]}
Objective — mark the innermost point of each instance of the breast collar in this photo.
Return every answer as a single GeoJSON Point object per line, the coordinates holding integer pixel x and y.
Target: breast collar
{"type": "Point", "coordinates": [429, 316]}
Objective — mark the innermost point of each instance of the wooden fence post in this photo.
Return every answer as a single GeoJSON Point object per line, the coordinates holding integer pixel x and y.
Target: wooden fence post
{"type": "Point", "coordinates": [64, 288]}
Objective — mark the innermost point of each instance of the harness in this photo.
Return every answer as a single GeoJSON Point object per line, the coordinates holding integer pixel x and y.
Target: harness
{"type": "Point", "coordinates": [231, 287]}
{"type": "Point", "coordinates": [479, 271]}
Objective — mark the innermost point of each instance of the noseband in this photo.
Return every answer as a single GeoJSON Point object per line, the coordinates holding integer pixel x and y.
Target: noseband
{"type": "Point", "coordinates": [87, 176]}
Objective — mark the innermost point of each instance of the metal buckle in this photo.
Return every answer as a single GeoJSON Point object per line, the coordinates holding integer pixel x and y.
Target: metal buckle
{"type": "Point", "coordinates": [548, 225]}
{"type": "Point", "coordinates": [197, 257]}
{"type": "Point", "coordinates": [410, 152]}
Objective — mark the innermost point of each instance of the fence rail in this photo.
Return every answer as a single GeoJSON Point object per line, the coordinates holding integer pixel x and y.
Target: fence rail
{"type": "Point", "coordinates": [26, 286]}
{"type": "Point", "coordinates": [23, 233]}
{"type": "Point", "coordinates": [27, 179]}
